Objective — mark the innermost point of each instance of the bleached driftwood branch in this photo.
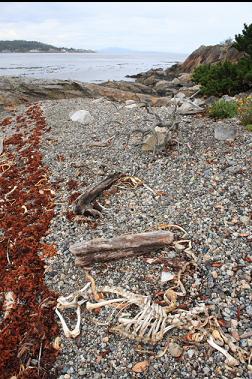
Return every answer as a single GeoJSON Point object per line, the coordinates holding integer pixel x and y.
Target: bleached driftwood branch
{"type": "Point", "coordinates": [124, 246]}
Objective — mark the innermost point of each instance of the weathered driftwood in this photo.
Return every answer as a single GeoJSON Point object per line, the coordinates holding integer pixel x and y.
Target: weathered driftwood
{"type": "Point", "coordinates": [83, 203]}
{"type": "Point", "coordinates": [124, 246]}
{"type": "Point", "coordinates": [1, 145]}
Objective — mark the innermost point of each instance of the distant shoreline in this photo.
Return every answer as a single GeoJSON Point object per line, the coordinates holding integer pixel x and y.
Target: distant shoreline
{"type": "Point", "coordinates": [47, 52]}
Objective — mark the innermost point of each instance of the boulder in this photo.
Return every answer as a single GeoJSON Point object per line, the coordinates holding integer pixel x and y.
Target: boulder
{"type": "Point", "coordinates": [225, 133]}
{"type": "Point", "coordinates": [150, 81]}
{"type": "Point", "coordinates": [82, 116]}
{"type": "Point", "coordinates": [188, 107]}
{"type": "Point", "coordinates": [163, 88]}
{"type": "Point", "coordinates": [152, 142]}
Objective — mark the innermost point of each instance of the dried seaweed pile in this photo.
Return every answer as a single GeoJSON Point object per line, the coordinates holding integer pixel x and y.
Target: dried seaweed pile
{"type": "Point", "coordinates": [27, 321]}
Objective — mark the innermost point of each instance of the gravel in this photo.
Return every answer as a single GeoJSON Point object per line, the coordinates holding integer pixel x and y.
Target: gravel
{"type": "Point", "coordinates": [207, 191]}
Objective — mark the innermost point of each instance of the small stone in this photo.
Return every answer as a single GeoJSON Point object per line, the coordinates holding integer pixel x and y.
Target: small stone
{"type": "Point", "coordinates": [214, 274]}
{"type": "Point", "coordinates": [249, 310]}
{"type": "Point", "coordinates": [206, 370]}
{"type": "Point", "coordinates": [190, 353]}
{"type": "Point", "coordinates": [229, 272]}
{"type": "Point", "coordinates": [175, 350]}
{"type": "Point", "coordinates": [245, 220]}
{"type": "Point", "coordinates": [67, 376]}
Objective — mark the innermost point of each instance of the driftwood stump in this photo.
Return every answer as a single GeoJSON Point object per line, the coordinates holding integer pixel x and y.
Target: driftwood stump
{"type": "Point", "coordinates": [124, 246]}
{"type": "Point", "coordinates": [84, 206]}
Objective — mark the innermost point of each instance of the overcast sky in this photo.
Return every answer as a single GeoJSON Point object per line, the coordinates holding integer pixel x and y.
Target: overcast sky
{"type": "Point", "coordinates": [144, 26]}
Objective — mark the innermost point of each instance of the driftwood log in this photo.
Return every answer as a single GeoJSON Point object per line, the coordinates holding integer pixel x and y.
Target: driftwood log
{"type": "Point", "coordinates": [83, 204]}
{"type": "Point", "coordinates": [124, 246]}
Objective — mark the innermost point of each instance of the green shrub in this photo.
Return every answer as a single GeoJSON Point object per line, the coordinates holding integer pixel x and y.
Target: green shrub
{"type": "Point", "coordinates": [224, 77]}
{"type": "Point", "coordinates": [249, 127]}
{"type": "Point", "coordinates": [243, 42]}
{"type": "Point", "coordinates": [223, 109]}
{"type": "Point", "coordinates": [245, 110]}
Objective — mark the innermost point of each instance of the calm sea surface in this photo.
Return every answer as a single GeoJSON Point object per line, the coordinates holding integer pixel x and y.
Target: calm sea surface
{"type": "Point", "coordinates": [96, 67]}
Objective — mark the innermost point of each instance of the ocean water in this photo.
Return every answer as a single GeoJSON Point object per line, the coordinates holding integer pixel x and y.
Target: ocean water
{"type": "Point", "coordinates": [92, 67]}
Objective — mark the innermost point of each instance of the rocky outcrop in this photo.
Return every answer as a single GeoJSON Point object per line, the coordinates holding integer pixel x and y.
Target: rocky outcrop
{"type": "Point", "coordinates": [163, 81]}
{"type": "Point", "coordinates": [210, 54]}
{"type": "Point", "coordinates": [18, 90]}
{"type": "Point", "coordinates": [129, 86]}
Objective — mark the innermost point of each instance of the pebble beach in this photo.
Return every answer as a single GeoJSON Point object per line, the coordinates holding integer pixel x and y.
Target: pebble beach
{"type": "Point", "coordinates": [204, 186]}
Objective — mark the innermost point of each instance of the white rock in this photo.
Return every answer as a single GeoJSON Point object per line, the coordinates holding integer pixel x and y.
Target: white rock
{"type": "Point", "coordinates": [130, 106]}
{"type": "Point", "coordinates": [82, 116]}
{"type": "Point", "coordinates": [224, 133]}
{"type": "Point", "coordinates": [129, 102]}
{"type": "Point", "coordinates": [166, 276]}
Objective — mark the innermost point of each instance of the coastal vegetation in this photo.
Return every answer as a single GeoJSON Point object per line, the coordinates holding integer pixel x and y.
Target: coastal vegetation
{"type": "Point", "coordinates": [226, 77]}
{"type": "Point", "coordinates": [223, 109]}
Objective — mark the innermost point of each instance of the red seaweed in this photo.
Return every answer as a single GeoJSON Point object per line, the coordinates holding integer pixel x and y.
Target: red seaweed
{"type": "Point", "coordinates": [28, 331]}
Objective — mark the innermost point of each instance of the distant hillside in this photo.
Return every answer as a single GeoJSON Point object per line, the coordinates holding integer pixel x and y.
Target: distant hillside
{"type": "Point", "coordinates": [20, 46]}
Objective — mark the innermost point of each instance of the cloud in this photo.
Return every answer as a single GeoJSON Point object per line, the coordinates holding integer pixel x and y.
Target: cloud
{"type": "Point", "coordinates": [160, 26]}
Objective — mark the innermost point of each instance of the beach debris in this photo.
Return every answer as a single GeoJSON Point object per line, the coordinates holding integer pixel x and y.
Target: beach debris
{"type": "Point", "coordinates": [131, 181]}
{"type": "Point", "coordinates": [123, 246]}
{"type": "Point", "coordinates": [82, 116]}
{"type": "Point", "coordinates": [74, 300]}
{"type": "Point", "coordinates": [9, 302]}
{"type": "Point", "coordinates": [142, 319]}
{"type": "Point", "coordinates": [105, 143]}
{"type": "Point", "coordinates": [85, 205]}
{"type": "Point", "coordinates": [1, 145]}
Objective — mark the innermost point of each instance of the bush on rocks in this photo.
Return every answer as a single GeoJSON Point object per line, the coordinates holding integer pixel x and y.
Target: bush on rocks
{"type": "Point", "coordinates": [226, 77]}
{"type": "Point", "coordinates": [245, 110]}
{"type": "Point", "coordinates": [223, 109]}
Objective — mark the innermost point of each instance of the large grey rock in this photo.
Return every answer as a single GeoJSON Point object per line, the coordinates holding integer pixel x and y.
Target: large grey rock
{"type": "Point", "coordinates": [153, 142]}
{"type": "Point", "coordinates": [162, 87]}
{"type": "Point", "coordinates": [82, 116]}
{"type": "Point", "coordinates": [225, 133]}
{"type": "Point", "coordinates": [188, 107]}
